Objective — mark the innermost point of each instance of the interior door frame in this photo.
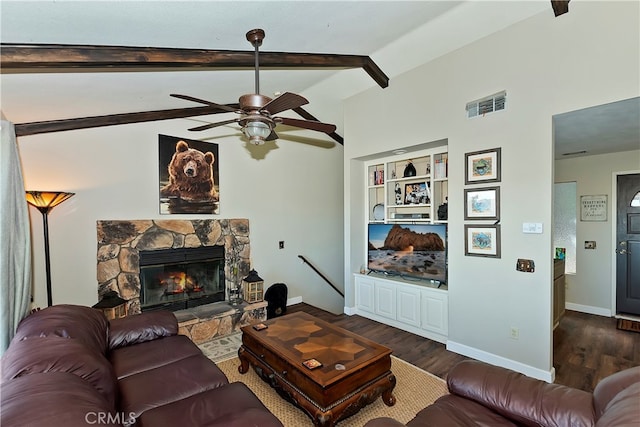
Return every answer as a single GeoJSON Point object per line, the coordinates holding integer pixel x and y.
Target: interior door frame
{"type": "Point", "coordinates": [614, 236]}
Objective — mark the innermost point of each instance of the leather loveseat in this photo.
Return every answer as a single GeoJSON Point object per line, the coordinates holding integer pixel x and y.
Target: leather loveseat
{"type": "Point", "coordinates": [486, 395]}
{"type": "Point", "coordinates": [69, 366]}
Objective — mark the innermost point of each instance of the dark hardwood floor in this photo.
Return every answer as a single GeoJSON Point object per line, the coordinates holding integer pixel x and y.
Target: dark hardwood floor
{"type": "Point", "coordinates": [586, 347]}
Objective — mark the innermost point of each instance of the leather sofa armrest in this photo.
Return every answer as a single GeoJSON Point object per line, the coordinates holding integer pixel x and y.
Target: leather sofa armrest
{"type": "Point", "coordinates": [611, 386]}
{"type": "Point", "coordinates": [140, 328]}
{"type": "Point", "coordinates": [522, 399]}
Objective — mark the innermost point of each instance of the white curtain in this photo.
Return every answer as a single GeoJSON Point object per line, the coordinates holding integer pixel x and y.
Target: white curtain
{"type": "Point", "coordinates": [15, 238]}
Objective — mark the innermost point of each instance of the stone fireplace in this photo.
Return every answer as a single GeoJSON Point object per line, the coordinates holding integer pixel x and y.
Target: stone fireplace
{"type": "Point", "coordinates": [122, 244]}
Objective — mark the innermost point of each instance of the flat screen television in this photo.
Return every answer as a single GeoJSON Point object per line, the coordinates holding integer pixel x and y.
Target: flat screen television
{"type": "Point", "coordinates": [408, 250]}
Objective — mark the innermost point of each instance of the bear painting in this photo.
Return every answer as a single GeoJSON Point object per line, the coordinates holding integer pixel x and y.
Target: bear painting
{"type": "Point", "coordinates": [189, 177]}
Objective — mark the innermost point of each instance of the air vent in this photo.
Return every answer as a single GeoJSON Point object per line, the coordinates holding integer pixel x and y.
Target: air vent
{"type": "Point", "coordinates": [487, 105]}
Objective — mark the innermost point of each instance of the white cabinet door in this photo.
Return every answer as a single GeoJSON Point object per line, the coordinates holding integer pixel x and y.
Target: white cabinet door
{"type": "Point", "coordinates": [365, 295]}
{"type": "Point", "coordinates": [434, 311]}
{"type": "Point", "coordinates": [385, 299]}
{"type": "Point", "coordinates": [408, 305]}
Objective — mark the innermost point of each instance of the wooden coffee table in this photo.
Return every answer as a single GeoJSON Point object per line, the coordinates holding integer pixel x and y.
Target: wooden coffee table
{"type": "Point", "coordinates": [354, 371]}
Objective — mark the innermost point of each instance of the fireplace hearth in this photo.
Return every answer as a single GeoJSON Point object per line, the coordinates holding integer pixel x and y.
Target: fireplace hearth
{"type": "Point", "coordinates": [176, 279]}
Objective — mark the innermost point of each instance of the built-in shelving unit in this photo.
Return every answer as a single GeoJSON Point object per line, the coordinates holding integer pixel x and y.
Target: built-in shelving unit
{"type": "Point", "coordinates": [406, 189]}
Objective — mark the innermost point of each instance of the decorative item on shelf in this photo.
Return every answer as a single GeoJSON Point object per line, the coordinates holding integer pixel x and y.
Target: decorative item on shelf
{"type": "Point", "coordinates": [253, 287]}
{"type": "Point", "coordinates": [112, 305]}
{"type": "Point", "coordinates": [378, 212]}
{"type": "Point", "coordinates": [443, 210]}
{"type": "Point", "coordinates": [235, 287]}
{"type": "Point", "coordinates": [398, 193]}
{"type": "Point", "coordinates": [409, 170]}
{"type": "Point", "coordinates": [45, 201]}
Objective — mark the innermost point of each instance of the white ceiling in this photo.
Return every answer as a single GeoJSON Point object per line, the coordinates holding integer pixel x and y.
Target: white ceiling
{"type": "Point", "coordinates": [388, 31]}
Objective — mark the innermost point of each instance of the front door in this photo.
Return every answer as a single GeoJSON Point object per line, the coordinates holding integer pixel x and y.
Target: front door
{"type": "Point", "coordinates": [628, 245]}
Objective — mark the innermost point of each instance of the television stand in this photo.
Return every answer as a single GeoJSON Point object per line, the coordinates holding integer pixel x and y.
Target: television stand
{"type": "Point", "coordinates": [419, 308]}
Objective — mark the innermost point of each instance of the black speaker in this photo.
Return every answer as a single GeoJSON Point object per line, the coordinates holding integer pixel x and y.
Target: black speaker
{"type": "Point", "coordinates": [276, 297]}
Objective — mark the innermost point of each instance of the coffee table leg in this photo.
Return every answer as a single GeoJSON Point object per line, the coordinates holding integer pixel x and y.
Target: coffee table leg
{"type": "Point", "coordinates": [244, 362]}
{"type": "Point", "coordinates": [387, 396]}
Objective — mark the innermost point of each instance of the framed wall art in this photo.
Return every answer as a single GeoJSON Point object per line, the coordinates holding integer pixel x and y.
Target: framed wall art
{"type": "Point", "coordinates": [482, 240]}
{"type": "Point", "coordinates": [188, 176]}
{"type": "Point", "coordinates": [482, 166]}
{"type": "Point", "coordinates": [482, 203]}
{"type": "Point", "coordinates": [593, 208]}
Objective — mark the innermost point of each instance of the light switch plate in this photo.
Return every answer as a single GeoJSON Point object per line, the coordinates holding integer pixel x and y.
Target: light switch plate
{"type": "Point", "coordinates": [532, 227]}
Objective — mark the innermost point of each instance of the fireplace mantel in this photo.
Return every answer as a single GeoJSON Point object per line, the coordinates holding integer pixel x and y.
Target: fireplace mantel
{"type": "Point", "coordinates": [119, 243]}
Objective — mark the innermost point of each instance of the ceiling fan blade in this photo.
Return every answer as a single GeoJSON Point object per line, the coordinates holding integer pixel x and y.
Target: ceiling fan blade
{"type": "Point", "coordinates": [286, 101]}
{"type": "Point", "coordinates": [213, 125]}
{"type": "Point", "coordinates": [202, 101]}
{"type": "Point", "coordinates": [308, 124]}
{"type": "Point", "coordinates": [272, 136]}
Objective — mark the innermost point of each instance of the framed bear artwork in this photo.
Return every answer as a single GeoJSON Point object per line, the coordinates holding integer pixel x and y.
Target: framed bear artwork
{"type": "Point", "coordinates": [188, 176]}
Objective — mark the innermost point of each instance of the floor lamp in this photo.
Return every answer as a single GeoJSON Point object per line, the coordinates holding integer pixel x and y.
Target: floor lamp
{"type": "Point", "coordinates": [44, 201]}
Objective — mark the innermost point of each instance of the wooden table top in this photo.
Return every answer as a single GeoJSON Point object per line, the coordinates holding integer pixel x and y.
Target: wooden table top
{"type": "Point", "coordinates": [299, 336]}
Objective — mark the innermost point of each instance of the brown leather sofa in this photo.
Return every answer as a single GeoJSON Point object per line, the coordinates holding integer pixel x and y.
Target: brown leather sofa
{"type": "Point", "coordinates": [69, 366]}
{"type": "Point", "coordinates": [486, 395]}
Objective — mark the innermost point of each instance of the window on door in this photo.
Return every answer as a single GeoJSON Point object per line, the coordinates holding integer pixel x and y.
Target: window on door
{"type": "Point", "coordinates": [564, 218]}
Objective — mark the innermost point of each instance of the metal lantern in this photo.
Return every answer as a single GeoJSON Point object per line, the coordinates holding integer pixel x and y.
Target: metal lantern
{"type": "Point", "coordinates": [112, 305]}
{"type": "Point", "coordinates": [253, 287]}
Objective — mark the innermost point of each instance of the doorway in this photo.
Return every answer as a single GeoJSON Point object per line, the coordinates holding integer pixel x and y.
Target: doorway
{"type": "Point", "coordinates": [627, 249]}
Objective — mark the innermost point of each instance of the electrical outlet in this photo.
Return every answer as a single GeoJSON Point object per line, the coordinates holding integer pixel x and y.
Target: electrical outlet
{"type": "Point", "coordinates": [525, 265]}
{"type": "Point", "coordinates": [281, 244]}
{"type": "Point", "coordinates": [515, 333]}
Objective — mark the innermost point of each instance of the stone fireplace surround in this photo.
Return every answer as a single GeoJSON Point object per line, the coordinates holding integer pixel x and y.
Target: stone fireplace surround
{"type": "Point", "coordinates": [118, 269]}
{"type": "Point", "coordinates": [119, 243]}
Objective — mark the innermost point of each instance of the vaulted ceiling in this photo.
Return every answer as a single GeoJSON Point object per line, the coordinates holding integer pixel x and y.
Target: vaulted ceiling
{"type": "Point", "coordinates": [361, 30]}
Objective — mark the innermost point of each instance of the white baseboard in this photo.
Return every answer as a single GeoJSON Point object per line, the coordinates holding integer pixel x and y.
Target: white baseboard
{"type": "Point", "coordinates": [530, 371]}
{"type": "Point", "coordinates": [598, 311]}
{"type": "Point", "coordinates": [294, 300]}
{"type": "Point", "coordinates": [350, 311]}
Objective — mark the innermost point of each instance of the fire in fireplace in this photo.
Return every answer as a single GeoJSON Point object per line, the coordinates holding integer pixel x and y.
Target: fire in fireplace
{"type": "Point", "coordinates": [175, 279]}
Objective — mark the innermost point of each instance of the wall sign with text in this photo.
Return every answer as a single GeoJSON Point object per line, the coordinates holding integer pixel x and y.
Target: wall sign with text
{"type": "Point", "coordinates": [593, 208]}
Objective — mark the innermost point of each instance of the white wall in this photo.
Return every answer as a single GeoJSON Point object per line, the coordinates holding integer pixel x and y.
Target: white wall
{"type": "Point", "coordinates": [591, 288]}
{"type": "Point", "coordinates": [547, 65]}
{"type": "Point", "coordinates": [291, 193]}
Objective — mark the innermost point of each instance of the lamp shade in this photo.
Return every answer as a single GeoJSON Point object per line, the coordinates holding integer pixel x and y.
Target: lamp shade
{"type": "Point", "coordinates": [47, 200]}
{"type": "Point", "coordinates": [257, 132]}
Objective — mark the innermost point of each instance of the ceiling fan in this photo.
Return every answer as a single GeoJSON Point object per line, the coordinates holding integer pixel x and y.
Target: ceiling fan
{"type": "Point", "coordinates": [256, 112]}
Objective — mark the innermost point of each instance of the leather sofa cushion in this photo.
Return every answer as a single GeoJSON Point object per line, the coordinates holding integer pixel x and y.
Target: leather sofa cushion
{"type": "Point", "coordinates": [151, 354]}
{"type": "Point", "coordinates": [55, 354]}
{"type": "Point", "coordinates": [454, 411]}
{"type": "Point", "coordinates": [85, 324]}
{"type": "Point", "coordinates": [141, 328]}
{"type": "Point", "coordinates": [53, 399]}
{"type": "Point", "coordinates": [233, 405]}
{"type": "Point", "coordinates": [169, 383]}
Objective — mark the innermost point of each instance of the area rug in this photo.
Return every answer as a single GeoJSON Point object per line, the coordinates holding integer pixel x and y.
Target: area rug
{"type": "Point", "coordinates": [414, 390]}
{"type": "Point", "coordinates": [223, 348]}
{"type": "Point", "coordinates": [628, 325]}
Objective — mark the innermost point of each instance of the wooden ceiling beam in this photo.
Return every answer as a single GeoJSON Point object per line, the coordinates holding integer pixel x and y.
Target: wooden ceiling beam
{"type": "Point", "coordinates": [560, 7]}
{"type": "Point", "coordinates": [16, 57]}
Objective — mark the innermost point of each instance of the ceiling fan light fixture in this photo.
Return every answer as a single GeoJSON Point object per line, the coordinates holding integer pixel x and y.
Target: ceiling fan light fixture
{"type": "Point", "coordinates": [257, 132]}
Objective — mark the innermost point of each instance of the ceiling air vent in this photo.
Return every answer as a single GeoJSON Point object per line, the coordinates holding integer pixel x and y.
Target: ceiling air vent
{"type": "Point", "coordinates": [489, 104]}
